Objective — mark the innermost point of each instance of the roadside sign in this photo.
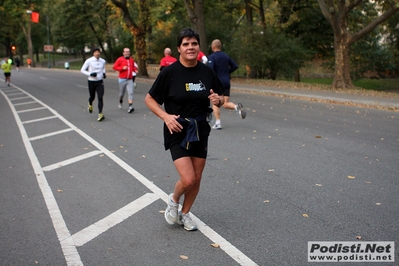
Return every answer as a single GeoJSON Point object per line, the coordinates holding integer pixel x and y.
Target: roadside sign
{"type": "Point", "coordinates": [48, 48]}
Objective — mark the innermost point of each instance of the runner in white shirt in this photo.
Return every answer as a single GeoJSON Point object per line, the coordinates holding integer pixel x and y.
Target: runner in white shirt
{"type": "Point", "coordinates": [94, 68]}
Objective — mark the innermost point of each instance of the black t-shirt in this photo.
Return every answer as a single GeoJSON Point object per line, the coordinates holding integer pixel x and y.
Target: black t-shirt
{"type": "Point", "coordinates": [184, 91]}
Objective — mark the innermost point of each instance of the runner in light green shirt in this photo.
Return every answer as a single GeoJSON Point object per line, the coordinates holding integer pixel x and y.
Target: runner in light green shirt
{"type": "Point", "coordinates": [6, 66]}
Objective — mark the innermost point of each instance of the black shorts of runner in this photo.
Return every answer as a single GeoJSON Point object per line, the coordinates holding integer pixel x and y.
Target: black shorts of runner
{"type": "Point", "coordinates": [198, 149]}
{"type": "Point", "coordinates": [7, 74]}
{"type": "Point", "coordinates": [226, 91]}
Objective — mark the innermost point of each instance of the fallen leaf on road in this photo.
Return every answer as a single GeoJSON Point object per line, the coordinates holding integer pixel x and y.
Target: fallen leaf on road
{"type": "Point", "coordinates": [215, 245]}
{"type": "Point", "coordinates": [351, 176]}
{"type": "Point", "coordinates": [378, 203]}
{"type": "Point", "coordinates": [183, 257]}
{"type": "Point", "coordinates": [162, 211]}
{"type": "Point", "coordinates": [359, 237]}
{"type": "Point", "coordinates": [266, 201]}
{"type": "Point", "coordinates": [305, 215]}
{"type": "Point", "coordinates": [318, 137]}
{"type": "Point", "coordinates": [318, 185]}
{"type": "Point", "coordinates": [271, 170]}
{"type": "Point", "coordinates": [59, 190]}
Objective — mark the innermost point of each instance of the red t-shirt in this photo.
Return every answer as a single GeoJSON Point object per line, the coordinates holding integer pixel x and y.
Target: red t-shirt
{"type": "Point", "coordinates": [200, 55]}
{"type": "Point", "coordinates": [167, 61]}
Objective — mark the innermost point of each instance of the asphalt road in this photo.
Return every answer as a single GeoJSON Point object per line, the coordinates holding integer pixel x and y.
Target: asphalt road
{"type": "Point", "coordinates": [76, 191]}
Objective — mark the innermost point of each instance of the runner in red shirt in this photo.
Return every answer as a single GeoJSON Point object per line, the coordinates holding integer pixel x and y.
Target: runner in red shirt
{"type": "Point", "coordinates": [202, 57]}
{"type": "Point", "coordinates": [167, 60]}
{"type": "Point", "coordinates": [125, 66]}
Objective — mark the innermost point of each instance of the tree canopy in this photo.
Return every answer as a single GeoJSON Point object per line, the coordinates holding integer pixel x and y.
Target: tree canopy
{"type": "Point", "coordinates": [272, 38]}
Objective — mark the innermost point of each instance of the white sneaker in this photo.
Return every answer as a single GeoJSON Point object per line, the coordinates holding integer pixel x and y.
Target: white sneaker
{"type": "Point", "coordinates": [187, 222]}
{"type": "Point", "coordinates": [131, 109]}
{"type": "Point", "coordinates": [119, 105]}
{"type": "Point", "coordinates": [241, 111]}
{"type": "Point", "coordinates": [217, 126]}
{"type": "Point", "coordinates": [171, 211]}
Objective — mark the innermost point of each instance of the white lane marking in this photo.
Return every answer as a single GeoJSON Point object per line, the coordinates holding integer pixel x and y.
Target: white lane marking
{"type": "Point", "coordinates": [19, 98]}
{"type": "Point", "coordinates": [17, 104]}
{"type": "Point", "coordinates": [69, 249]}
{"type": "Point", "coordinates": [31, 110]}
{"type": "Point", "coordinates": [227, 247]}
{"type": "Point", "coordinates": [39, 119]}
{"type": "Point", "coordinates": [71, 161]}
{"type": "Point", "coordinates": [96, 229]}
{"type": "Point", "coordinates": [16, 93]}
{"type": "Point", "coordinates": [51, 134]}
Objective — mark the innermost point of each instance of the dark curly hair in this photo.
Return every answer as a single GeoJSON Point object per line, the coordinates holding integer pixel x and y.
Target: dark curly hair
{"type": "Point", "coordinates": [187, 33]}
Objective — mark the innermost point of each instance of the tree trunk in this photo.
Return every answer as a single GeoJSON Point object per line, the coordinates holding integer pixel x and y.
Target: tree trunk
{"type": "Point", "coordinates": [297, 76]}
{"type": "Point", "coordinates": [141, 49]}
{"type": "Point", "coordinates": [342, 77]}
{"type": "Point", "coordinates": [138, 31]}
{"type": "Point", "coordinates": [27, 32]}
{"type": "Point", "coordinates": [262, 14]}
{"type": "Point", "coordinates": [195, 11]}
{"type": "Point", "coordinates": [251, 70]}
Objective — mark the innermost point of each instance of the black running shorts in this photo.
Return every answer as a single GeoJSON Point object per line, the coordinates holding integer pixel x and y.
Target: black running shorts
{"type": "Point", "coordinates": [198, 149]}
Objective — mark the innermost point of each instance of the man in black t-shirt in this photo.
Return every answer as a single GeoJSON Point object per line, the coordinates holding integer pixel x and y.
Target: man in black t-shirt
{"type": "Point", "coordinates": [186, 89]}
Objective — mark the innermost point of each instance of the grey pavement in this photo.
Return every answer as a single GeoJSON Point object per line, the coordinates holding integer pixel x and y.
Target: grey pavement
{"type": "Point", "coordinates": [335, 163]}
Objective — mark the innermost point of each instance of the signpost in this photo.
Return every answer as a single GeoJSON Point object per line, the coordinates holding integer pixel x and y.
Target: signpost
{"type": "Point", "coordinates": [48, 48]}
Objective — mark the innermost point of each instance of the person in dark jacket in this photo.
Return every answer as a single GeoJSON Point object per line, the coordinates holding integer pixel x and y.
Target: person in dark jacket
{"type": "Point", "coordinates": [223, 66]}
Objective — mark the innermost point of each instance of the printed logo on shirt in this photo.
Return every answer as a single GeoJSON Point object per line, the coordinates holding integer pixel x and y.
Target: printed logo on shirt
{"type": "Point", "coordinates": [195, 86]}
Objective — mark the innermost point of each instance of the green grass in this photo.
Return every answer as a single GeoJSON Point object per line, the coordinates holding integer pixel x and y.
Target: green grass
{"type": "Point", "coordinates": [325, 81]}
{"type": "Point", "coordinates": [390, 84]}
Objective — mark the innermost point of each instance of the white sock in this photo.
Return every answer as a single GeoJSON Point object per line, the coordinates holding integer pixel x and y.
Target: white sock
{"type": "Point", "coordinates": [217, 122]}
